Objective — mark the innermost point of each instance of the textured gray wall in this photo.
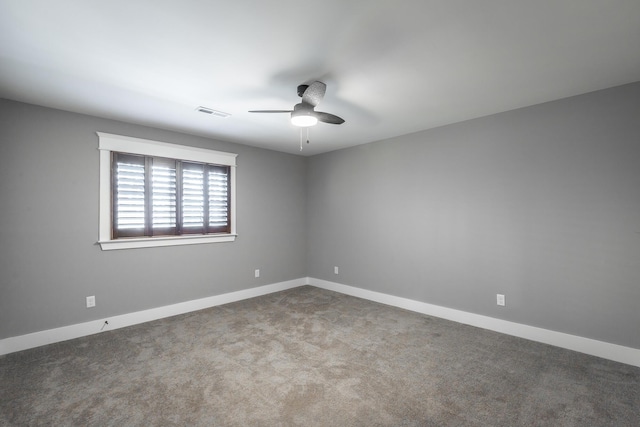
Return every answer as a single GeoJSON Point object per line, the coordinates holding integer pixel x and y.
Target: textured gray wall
{"type": "Point", "coordinates": [49, 260]}
{"type": "Point", "coordinates": [541, 204]}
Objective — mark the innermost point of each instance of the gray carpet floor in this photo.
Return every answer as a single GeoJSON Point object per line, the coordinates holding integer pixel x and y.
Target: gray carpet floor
{"type": "Point", "coordinates": [310, 357]}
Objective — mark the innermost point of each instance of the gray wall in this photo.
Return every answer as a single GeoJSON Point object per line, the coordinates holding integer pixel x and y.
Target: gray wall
{"type": "Point", "coordinates": [49, 260]}
{"type": "Point", "coordinates": [541, 204]}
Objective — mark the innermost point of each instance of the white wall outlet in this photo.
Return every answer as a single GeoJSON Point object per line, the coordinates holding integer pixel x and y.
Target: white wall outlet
{"type": "Point", "coordinates": [257, 272]}
{"type": "Point", "coordinates": [500, 300]}
{"type": "Point", "coordinates": [335, 270]}
{"type": "Point", "coordinates": [91, 301]}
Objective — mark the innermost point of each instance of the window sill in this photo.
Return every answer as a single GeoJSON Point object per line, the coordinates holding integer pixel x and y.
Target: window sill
{"type": "Point", "coordinates": [151, 242]}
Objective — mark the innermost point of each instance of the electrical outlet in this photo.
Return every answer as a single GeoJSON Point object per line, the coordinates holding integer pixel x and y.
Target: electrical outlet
{"type": "Point", "coordinates": [257, 272]}
{"type": "Point", "coordinates": [335, 270]}
{"type": "Point", "coordinates": [500, 300]}
{"type": "Point", "coordinates": [91, 301]}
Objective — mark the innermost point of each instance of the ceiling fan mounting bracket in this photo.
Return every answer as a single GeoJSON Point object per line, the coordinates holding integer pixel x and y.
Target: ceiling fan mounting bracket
{"type": "Point", "coordinates": [301, 90]}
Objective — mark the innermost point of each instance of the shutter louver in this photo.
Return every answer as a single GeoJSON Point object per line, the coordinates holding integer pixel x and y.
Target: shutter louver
{"type": "Point", "coordinates": [129, 204]}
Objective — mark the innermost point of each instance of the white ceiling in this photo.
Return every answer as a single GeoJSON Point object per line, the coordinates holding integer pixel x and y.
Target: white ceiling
{"type": "Point", "coordinates": [391, 67]}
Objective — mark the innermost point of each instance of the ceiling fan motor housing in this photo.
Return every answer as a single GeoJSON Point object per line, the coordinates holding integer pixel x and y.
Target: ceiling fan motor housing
{"type": "Point", "coordinates": [302, 108]}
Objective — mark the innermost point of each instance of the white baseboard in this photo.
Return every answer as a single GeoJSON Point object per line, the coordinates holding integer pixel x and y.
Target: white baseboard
{"type": "Point", "coordinates": [50, 336]}
{"type": "Point", "coordinates": [618, 353]}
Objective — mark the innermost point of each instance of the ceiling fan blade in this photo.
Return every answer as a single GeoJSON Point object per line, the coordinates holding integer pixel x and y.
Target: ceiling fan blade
{"type": "Point", "coordinates": [328, 118]}
{"type": "Point", "coordinates": [270, 111]}
{"type": "Point", "coordinates": [314, 93]}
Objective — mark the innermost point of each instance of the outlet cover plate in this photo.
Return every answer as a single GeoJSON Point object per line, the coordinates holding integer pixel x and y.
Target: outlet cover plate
{"type": "Point", "coordinates": [500, 300]}
{"type": "Point", "coordinates": [91, 301]}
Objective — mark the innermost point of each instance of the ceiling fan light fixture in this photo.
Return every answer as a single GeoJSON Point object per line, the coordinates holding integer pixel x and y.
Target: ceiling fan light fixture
{"type": "Point", "coordinates": [303, 119]}
{"type": "Point", "coordinates": [303, 116]}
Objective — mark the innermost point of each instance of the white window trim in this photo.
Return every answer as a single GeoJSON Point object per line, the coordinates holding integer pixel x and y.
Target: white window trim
{"type": "Point", "coordinates": [125, 144]}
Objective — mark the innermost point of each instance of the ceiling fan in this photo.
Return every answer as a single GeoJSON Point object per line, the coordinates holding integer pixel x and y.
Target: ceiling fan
{"type": "Point", "coordinates": [303, 114]}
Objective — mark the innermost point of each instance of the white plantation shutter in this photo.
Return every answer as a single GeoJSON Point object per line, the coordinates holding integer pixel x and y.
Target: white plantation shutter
{"type": "Point", "coordinates": [163, 193]}
{"type": "Point", "coordinates": [129, 201]}
{"type": "Point", "coordinates": [218, 180]}
{"type": "Point", "coordinates": [193, 187]}
{"type": "Point", "coordinates": [155, 196]}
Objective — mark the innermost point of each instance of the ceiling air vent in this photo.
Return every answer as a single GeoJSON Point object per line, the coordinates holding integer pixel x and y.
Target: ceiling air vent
{"type": "Point", "coordinates": [213, 112]}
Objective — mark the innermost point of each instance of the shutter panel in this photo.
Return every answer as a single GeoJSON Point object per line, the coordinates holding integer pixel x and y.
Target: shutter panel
{"type": "Point", "coordinates": [129, 203]}
{"type": "Point", "coordinates": [218, 183]}
{"type": "Point", "coordinates": [192, 198]}
{"type": "Point", "coordinates": [163, 195]}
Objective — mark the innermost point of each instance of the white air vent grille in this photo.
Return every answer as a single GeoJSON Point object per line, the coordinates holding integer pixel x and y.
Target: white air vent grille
{"type": "Point", "coordinates": [213, 112]}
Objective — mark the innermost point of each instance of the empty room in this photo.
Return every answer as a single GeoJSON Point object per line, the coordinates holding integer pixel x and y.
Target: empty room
{"type": "Point", "coordinates": [338, 213]}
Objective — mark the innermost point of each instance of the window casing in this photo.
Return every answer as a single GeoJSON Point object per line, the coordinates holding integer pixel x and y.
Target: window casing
{"type": "Point", "coordinates": [159, 194]}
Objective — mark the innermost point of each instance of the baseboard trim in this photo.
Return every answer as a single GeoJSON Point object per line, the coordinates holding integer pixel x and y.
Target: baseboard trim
{"type": "Point", "coordinates": [50, 336]}
{"type": "Point", "coordinates": [617, 353]}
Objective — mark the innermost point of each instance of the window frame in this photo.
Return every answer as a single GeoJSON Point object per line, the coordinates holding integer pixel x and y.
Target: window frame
{"type": "Point", "coordinates": [108, 143]}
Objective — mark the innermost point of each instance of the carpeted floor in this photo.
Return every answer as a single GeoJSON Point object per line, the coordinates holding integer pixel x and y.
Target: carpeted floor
{"type": "Point", "coordinates": [311, 357]}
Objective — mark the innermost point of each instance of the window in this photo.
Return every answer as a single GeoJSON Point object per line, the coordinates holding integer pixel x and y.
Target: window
{"type": "Point", "coordinates": [155, 196]}
{"type": "Point", "coordinates": [158, 194]}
